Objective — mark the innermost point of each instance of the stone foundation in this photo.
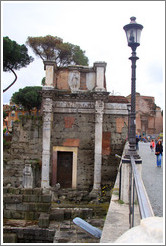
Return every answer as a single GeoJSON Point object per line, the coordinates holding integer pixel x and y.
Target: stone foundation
{"type": "Point", "coordinates": [31, 216]}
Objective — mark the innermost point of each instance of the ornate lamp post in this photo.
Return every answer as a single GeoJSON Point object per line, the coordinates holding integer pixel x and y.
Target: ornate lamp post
{"type": "Point", "coordinates": [129, 109]}
{"type": "Point", "coordinates": [133, 33]}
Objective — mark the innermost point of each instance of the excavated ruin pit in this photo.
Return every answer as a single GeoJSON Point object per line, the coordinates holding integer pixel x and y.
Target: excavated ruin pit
{"type": "Point", "coordinates": [32, 217]}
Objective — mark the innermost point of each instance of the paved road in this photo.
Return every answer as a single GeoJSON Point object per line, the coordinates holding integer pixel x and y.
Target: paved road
{"type": "Point", "coordinates": [152, 177]}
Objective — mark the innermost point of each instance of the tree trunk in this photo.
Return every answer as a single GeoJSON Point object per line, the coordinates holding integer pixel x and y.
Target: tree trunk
{"type": "Point", "coordinates": [12, 82]}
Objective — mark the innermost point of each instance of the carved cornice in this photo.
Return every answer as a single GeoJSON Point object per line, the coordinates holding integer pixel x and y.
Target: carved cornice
{"type": "Point", "coordinates": [101, 95]}
{"type": "Point", "coordinates": [47, 92]}
{"type": "Point", "coordinates": [55, 94]}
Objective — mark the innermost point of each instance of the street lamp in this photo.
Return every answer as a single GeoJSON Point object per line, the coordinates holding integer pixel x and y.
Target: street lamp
{"type": "Point", "coordinates": [133, 33]}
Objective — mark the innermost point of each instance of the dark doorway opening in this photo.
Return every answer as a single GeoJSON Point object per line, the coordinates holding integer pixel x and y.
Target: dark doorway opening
{"type": "Point", "coordinates": [64, 169]}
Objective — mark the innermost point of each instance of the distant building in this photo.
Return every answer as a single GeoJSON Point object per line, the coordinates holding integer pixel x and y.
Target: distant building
{"type": "Point", "coordinates": [149, 119]}
{"type": "Point", "coordinates": [14, 112]}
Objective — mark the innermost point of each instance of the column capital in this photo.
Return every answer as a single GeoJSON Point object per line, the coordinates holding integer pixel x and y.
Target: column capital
{"type": "Point", "coordinates": [47, 92]}
{"type": "Point", "coordinates": [100, 95]}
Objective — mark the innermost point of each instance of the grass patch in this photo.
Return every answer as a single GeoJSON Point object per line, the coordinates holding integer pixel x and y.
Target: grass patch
{"type": "Point", "coordinates": [120, 202]}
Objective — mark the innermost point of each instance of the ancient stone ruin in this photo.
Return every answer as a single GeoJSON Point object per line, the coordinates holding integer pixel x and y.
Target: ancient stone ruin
{"type": "Point", "coordinates": [63, 164]}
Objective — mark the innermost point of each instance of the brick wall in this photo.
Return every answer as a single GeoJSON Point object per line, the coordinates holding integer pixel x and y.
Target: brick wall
{"type": "Point", "coordinates": [79, 134]}
{"type": "Point", "coordinates": [79, 130]}
{"type": "Point", "coordinates": [115, 133]}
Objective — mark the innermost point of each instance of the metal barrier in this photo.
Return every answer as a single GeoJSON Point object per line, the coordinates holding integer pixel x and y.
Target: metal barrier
{"type": "Point", "coordinates": [136, 186]}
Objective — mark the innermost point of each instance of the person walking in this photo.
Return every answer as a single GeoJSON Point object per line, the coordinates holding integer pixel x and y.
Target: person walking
{"type": "Point", "coordinates": [152, 145]}
{"type": "Point", "coordinates": [137, 140]}
{"type": "Point", "coordinates": [158, 152]}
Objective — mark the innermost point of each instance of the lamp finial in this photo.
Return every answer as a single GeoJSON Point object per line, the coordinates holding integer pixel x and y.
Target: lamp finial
{"type": "Point", "coordinates": [133, 19]}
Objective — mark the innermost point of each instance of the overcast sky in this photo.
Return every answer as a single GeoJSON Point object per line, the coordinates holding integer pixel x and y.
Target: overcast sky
{"type": "Point", "coordinates": [97, 27]}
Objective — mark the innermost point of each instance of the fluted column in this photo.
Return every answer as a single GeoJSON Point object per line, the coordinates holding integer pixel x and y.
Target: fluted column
{"type": "Point", "coordinates": [99, 107]}
{"type": "Point", "coordinates": [47, 123]}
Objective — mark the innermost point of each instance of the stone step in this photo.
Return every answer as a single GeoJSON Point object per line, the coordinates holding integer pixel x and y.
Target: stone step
{"type": "Point", "coordinates": [57, 231]}
{"type": "Point", "coordinates": [60, 214]}
{"type": "Point", "coordinates": [17, 191]}
{"type": "Point", "coordinates": [44, 220]}
{"type": "Point", "coordinates": [73, 235]}
{"type": "Point", "coordinates": [37, 198]}
{"type": "Point", "coordinates": [70, 194]}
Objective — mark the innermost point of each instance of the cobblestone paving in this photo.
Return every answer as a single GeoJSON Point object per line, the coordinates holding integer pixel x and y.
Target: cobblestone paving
{"type": "Point", "coordinates": [152, 177]}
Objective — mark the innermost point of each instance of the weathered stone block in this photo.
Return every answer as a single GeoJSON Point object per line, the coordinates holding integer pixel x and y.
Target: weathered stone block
{"type": "Point", "coordinates": [7, 214]}
{"type": "Point", "coordinates": [17, 215]}
{"type": "Point", "coordinates": [87, 213]}
{"type": "Point", "coordinates": [16, 191]}
{"type": "Point", "coordinates": [31, 215]}
{"type": "Point", "coordinates": [9, 238]}
{"type": "Point", "coordinates": [31, 198]}
{"type": "Point", "coordinates": [67, 214]}
{"type": "Point", "coordinates": [37, 191]}
{"type": "Point", "coordinates": [44, 220]}
{"type": "Point", "coordinates": [43, 207]}
{"type": "Point", "coordinates": [21, 207]}
{"type": "Point", "coordinates": [28, 191]}
{"type": "Point", "coordinates": [57, 214]}
{"type": "Point", "coordinates": [11, 190]}
{"type": "Point", "coordinates": [11, 206]}
{"type": "Point", "coordinates": [5, 190]}
{"type": "Point", "coordinates": [76, 212]}
{"type": "Point", "coordinates": [13, 199]}
{"type": "Point", "coordinates": [46, 198]}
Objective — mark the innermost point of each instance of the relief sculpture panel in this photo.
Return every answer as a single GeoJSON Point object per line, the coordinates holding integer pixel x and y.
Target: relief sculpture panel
{"type": "Point", "coordinates": [74, 81]}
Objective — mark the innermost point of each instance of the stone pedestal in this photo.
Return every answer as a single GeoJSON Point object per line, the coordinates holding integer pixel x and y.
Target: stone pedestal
{"type": "Point", "coordinates": [49, 66]}
{"type": "Point", "coordinates": [126, 175]}
{"type": "Point", "coordinates": [100, 76]}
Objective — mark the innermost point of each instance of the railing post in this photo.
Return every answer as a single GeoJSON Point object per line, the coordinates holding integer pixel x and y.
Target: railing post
{"type": "Point", "coordinates": [120, 178]}
{"type": "Point", "coordinates": [130, 200]}
{"type": "Point", "coordinates": [133, 203]}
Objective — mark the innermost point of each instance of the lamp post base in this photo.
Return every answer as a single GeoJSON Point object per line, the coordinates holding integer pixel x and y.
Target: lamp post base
{"type": "Point", "coordinates": [126, 157]}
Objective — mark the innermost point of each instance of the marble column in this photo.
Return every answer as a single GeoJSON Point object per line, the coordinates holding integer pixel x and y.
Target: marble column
{"type": "Point", "coordinates": [50, 67]}
{"type": "Point", "coordinates": [99, 107]}
{"type": "Point", "coordinates": [47, 125]}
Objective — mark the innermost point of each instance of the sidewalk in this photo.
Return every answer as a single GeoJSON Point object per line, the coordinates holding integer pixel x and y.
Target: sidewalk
{"type": "Point", "coordinates": [152, 177]}
{"type": "Point", "coordinates": [117, 220]}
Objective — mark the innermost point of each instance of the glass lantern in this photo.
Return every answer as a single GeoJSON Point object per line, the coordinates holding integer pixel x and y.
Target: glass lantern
{"type": "Point", "coordinates": [133, 33]}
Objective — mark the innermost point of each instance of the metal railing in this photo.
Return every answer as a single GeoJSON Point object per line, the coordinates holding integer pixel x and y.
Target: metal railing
{"type": "Point", "coordinates": [136, 187]}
